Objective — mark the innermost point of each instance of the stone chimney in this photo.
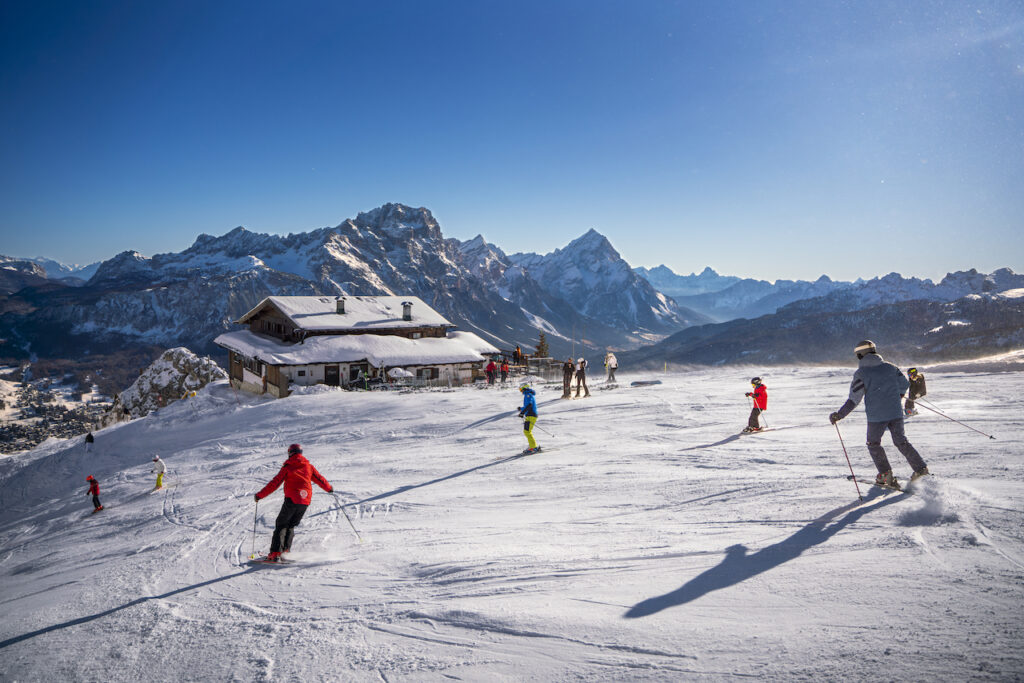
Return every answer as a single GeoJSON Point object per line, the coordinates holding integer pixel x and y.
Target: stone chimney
{"type": "Point", "coordinates": [406, 310]}
{"type": "Point", "coordinates": [339, 305]}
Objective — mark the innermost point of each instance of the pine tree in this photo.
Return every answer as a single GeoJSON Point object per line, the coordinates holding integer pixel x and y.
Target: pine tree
{"type": "Point", "coordinates": [542, 347]}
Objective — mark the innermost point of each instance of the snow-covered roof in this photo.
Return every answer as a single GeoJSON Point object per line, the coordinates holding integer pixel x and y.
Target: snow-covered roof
{"type": "Point", "coordinates": [361, 312]}
{"type": "Point", "coordinates": [377, 349]}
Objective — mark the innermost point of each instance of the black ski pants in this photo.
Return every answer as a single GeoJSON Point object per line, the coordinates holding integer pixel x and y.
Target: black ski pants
{"type": "Point", "coordinates": [284, 529]}
{"type": "Point", "coordinates": [754, 421]}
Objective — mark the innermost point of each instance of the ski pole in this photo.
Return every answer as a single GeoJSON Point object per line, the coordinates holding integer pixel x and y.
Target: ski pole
{"type": "Point", "coordinates": [852, 475]}
{"type": "Point", "coordinates": [543, 430]}
{"type": "Point", "coordinates": [255, 515]}
{"type": "Point", "coordinates": [957, 421]}
{"type": "Point", "coordinates": [349, 519]}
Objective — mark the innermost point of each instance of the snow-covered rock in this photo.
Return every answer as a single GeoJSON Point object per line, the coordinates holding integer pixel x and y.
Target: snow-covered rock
{"type": "Point", "coordinates": [171, 377]}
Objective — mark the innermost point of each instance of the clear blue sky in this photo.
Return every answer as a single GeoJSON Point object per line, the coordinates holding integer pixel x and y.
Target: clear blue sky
{"type": "Point", "coordinates": [772, 139]}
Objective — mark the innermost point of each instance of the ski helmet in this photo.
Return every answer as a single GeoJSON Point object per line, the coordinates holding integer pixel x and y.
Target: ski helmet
{"type": "Point", "coordinates": [155, 457]}
{"type": "Point", "coordinates": [294, 449]}
{"type": "Point", "coordinates": [912, 371]}
{"type": "Point", "coordinates": [755, 381]}
{"type": "Point", "coordinates": [865, 347]}
{"type": "Point", "coordinates": [524, 387]}
{"type": "Point", "coordinates": [89, 478]}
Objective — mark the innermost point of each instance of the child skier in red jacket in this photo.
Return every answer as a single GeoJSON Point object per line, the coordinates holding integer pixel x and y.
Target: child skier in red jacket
{"type": "Point", "coordinates": [94, 491]}
{"type": "Point", "coordinates": [297, 473]}
{"type": "Point", "coordinates": [760, 396]}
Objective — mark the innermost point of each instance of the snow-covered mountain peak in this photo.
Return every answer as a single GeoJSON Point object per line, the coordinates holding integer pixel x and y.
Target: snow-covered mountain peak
{"type": "Point", "coordinates": [398, 221]}
{"type": "Point", "coordinates": [127, 265]}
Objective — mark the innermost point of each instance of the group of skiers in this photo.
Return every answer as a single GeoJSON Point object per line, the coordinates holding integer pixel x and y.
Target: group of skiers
{"type": "Point", "coordinates": [159, 469]}
{"type": "Point", "coordinates": [492, 369]}
{"type": "Point", "coordinates": [880, 384]}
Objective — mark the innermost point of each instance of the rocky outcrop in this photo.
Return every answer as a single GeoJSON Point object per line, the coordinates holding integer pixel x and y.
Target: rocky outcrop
{"type": "Point", "coordinates": [171, 377]}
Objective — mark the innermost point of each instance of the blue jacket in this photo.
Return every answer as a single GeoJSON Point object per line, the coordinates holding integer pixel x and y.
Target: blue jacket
{"type": "Point", "coordinates": [881, 385]}
{"type": "Point", "coordinates": [529, 408]}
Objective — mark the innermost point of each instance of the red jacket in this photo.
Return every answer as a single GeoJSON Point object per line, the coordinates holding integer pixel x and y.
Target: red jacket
{"type": "Point", "coordinates": [760, 397]}
{"type": "Point", "coordinates": [297, 474]}
{"type": "Point", "coordinates": [94, 487]}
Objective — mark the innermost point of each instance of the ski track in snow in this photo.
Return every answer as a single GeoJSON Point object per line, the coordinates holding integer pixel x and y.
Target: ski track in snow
{"type": "Point", "coordinates": [651, 542]}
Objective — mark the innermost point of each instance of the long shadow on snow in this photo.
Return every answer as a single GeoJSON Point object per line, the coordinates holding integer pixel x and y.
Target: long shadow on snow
{"type": "Point", "coordinates": [738, 566]}
{"type": "Point", "coordinates": [500, 416]}
{"type": "Point", "coordinates": [410, 487]}
{"type": "Point", "coordinates": [93, 617]}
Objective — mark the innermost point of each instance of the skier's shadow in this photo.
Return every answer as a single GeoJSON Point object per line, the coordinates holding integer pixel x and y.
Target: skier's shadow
{"type": "Point", "coordinates": [500, 416]}
{"type": "Point", "coordinates": [138, 601]}
{"type": "Point", "coordinates": [724, 441]}
{"type": "Point", "coordinates": [410, 487]}
{"type": "Point", "coordinates": [738, 566]}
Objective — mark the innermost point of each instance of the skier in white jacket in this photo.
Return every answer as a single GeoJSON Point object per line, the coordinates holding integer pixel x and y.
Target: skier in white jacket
{"type": "Point", "coordinates": [159, 467]}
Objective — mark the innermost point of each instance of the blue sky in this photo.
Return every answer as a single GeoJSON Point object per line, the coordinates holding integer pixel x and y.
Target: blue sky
{"type": "Point", "coordinates": [766, 139]}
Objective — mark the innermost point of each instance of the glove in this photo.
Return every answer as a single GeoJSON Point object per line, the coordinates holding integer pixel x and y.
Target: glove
{"type": "Point", "coordinates": [520, 413]}
{"type": "Point", "coordinates": [256, 498]}
{"type": "Point", "coordinates": [834, 417]}
{"type": "Point", "coordinates": [748, 394]}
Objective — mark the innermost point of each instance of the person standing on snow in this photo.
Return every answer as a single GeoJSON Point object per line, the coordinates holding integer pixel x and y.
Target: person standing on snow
{"type": "Point", "coordinates": [159, 468]}
{"type": "Point", "coordinates": [760, 397]}
{"type": "Point", "coordinates": [491, 369]}
{"type": "Point", "coordinates": [529, 414]}
{"type": "Point", "coordinates": [94, 491]}
{"type": "Point", "coordinates": [917, 390]}
{"type": "Point", "coordinates": [297, 473]}
{"type": "Point", "coordinates": [611, 364]}
{"type": "Point", "coordinates": [881, 385]}
{"type": "Point", "coordinates": [89, 440]}
{"type": "Point", "coordinates": [568, 370]}
{"type": "Point", "coordinates": [581, 377]}
{"type": "Point", "coordinates": [504, 371]}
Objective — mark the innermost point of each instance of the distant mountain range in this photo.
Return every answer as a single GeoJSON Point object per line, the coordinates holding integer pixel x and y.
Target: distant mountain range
{"type": "Point", "coordinates": [920, 328]}
{"type": "Point", "coordinates": [584, 291]}
{"type": "Point", "coordinates": [725, 298]}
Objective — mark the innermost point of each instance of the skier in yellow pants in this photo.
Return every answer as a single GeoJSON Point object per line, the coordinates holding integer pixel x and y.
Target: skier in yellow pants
{"type": "Point", "coordinates": [529, 414]}
{"type": "Point", "coordinates": [159, 467]}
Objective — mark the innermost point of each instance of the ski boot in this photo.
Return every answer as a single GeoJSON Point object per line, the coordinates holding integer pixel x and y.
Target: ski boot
{"type": "Point", "coordinates": [887, 480]}
{"type": "Point", "coordinates": [923, 472]}
{"type": "Point", "coordinates": [274, 557]}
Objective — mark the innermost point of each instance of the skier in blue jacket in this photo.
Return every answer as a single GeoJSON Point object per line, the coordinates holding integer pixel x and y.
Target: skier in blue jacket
{"type": "Point", "coordinates": [529, 414]}
{"type": "Point", "coordinates": [882, 386]}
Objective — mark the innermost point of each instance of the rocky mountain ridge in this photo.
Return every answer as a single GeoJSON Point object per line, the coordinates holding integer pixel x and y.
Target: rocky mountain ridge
{"type": "Point", "coordinates": [188, 298]}
{"type": "Point", "coordinates": [914, 331]}
{"type": "Point", "coordinates": [750, 298]}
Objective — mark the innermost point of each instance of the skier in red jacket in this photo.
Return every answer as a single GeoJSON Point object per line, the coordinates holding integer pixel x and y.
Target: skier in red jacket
{"type": "Point", "coordinates": [760, 396]}
{"type": "Point", "coordinates": [297, 474]}
{"type": "Point", "coordinates": [94, 491]}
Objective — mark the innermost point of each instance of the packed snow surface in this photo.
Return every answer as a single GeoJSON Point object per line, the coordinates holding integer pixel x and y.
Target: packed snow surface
{"type": "Point", "coordinates": [649, 541]}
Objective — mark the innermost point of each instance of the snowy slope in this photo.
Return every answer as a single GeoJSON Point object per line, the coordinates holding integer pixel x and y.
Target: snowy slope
{"type": "Point", "coordinates": [652, 542]}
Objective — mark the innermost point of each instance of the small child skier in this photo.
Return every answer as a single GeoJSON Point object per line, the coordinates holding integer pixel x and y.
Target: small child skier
{"type": "Point", "coordinates": [94, 491]}
{"type": "Point", "coordinates": [529, 414]}
{"type": "Point", "coordinates": [917, 390]}
{"type": "Point", "coordinates": [760, 397]}
{"type": "Point", "coordinates": [159, 468]}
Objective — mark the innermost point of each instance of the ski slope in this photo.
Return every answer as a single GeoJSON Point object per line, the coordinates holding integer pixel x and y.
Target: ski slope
{"type": "Point", "coordinates": [652, 542]}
